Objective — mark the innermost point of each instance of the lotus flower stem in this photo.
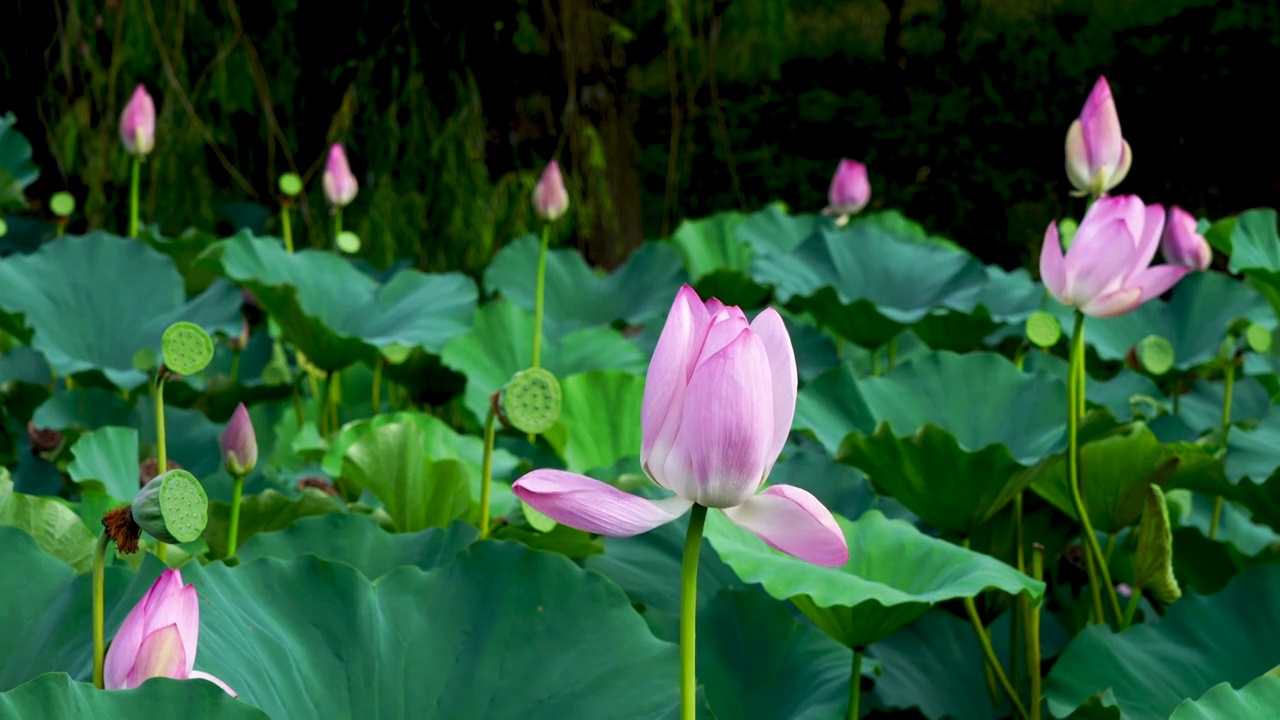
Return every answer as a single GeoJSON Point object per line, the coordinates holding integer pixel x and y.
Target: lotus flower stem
{"type": "Point", "coordinates": [538, 295]}
{"type": "Point", "coordinates": [235, 366]}
{"type": "Point", "coordinates": [325, 399]}
{"type": "Point", "coordinates": [486, 473]}
{"type": "Point", "coordinates": [893, 353]}
{"type": "Point", "coordinates": [855, 685]}
{"type": "Point", "coordinates": [162, 449]}
{"type": "Point", "coordinates": [1229, 382]}
{"type": "Point", "coordinates": [1095, 561]}
{"type": "Point", "coordinates": [233, 530]}
{"type": "Point", "coordinates": [376, 391]}
{"type": "Point", "coordinates": [337, 226]}
{"type": "Point", "coordinates": [1131, 608]}
{"type": "Point", "coordinates": [993, 661]}
{"type": "Point", "coordinates": [99, 562]}
{"type": "Point", "coordinates": [286, 229]}
{"type": "Point", "coordinates": [689, 614]}
{"type": "Point", "coordinates": [1033, 633]}
{"type": "Point", "coordinates": [1018, 621]}
{"type": "Point", "coordinates": [134, 184]}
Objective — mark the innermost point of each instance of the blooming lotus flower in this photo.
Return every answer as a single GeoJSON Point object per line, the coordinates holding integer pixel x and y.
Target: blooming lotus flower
{"type": "Point", "coordinates": [1098, 157]}
{"type": "Point", "coordinates": [1181, 244]}
{"type": "Point", "coordinates": [1107, 272]}
{"type": "Point", "coordinates": [340, 185]}
{"type": "Point", "coordinates": [550, 199]}
{"type": "Point", "coordinates": [850, 191]}
{"type": "Point", "coordinates": [718, 402]}
{"type": "Point", "coordinates": [138, 123]}
{"type": "Point", "coordinates": [239, 444]}
{"type": "Point", "coordinates": [158, 638]}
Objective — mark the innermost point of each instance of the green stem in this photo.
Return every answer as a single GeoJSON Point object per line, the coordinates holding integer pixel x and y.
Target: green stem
{"type": "Point", "coordinates": [1095, 561]}
{"type": "Point", "coordinates": [234, 528]}
{"type": "Point", "coordinates": [377, 385]}
{"type": "Point", "coordinates": [893, 352]}
{"type": "Point", "coordinates": [1033, 634]}
{"type": "Point", "coordinates": [337, 228]}
{"type": "Point", "coordinates": [99, 564]}
{"type": "Point", "coordinates": [1018, 621]}
{"type": "Point", "coordinates": [335, 401]}
{"type": "Point", "coordinates": [486, 474]}
{"type": "Point", "coordinates": [875, 362]}
{"type": "Point", "coordinates": [855, 685]}
{"type": "Point", "coordinates": [993, 661]}
{"type": "Point", "coordinates": [1131, 608]}
{"type": "Point", "coordinates": [689, 614]}
{"type": "Point", "coordinates": [1110, 548]}
{"type": "Point", "coordinates": [1230, 381]}
{"type": "Point", "coordinates": [162, 453]}
{"type": "Point", "coordinates": [286, 226]}
{"type": "Point", "coordinates": [235, 367]}
{"type": "Point", "coordinates": [134, 184]}
{"type": "Point", "coordinates": [538, 295]}
{"type": "Point", "coordinates": [325, 399]}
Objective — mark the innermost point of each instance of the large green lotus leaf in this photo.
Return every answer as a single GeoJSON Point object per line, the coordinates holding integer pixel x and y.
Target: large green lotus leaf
{"type": "Point", "coordinates": [1258, 699]}
{"type": "Point", "coordinates": [717, 260]}
{"type": "Point", "coordinates": [335, 328]}
{"type": "Point", "coordinates": [756, 662]}
{"type": "Point", "coordinates": [1254, 247]}
{"type": "Point", "coordinates": [935, 665]}
{"type": "Point", "coordinates": [1120, 393]}
{"type": "Point", "coordinates": [843, 489]}
{"type": "Point", "coordinates": [32, 579]}
{"type": "Point", "coordinates": [56, 695]}
{"type": "Point", "coordinates": [1194, 320]}
{"type": "Point", "coordinates": [307, 638]}
{"type": "Point", "coordinates": [578, 296]}
{"type": "Point", "coordinates": [23, 365]}
{"type": "Point", "coordinates": [106, 460]}
{"type": "Point", "coordinates": [55, 527]}
{"type": "Point", "coordinates": [1254, 454]}
{"type": "Point", "coordinates": [1115, 472]}
{"type": "Point", "coordinates": [772, 230]}
{"type": "Point", "coordinates": [500, 345]}
{"type": "Point", "coordinates": [1022, 411]}
{"type": "Point", "coordinates": [894, 575]}
{"type": "Point", "coordinates": [418, 491]}
{"type": "Point", "coordinates": [440, 442]}
{"type": "Point", "coordinates": [1007, 299]}
{"type": "Point", "coordinates": [265, 512]}
{"type": "Point", "coordinates": [81, 326]}
{"type": "Point", "coordinates": [1230, 635]}
{"type": "Point", "coordinates": [647, 567]}
{"type": "Point", "coordinates": [357, 540]}
{"type": "Point", "coordinates": [1235, 526]}
{"type": "Point", "coordinates": [878, 280]}
{"type": "Point", "coordinates": [1201, 409]}
{"type": "Point", "coordinates": [599, 419]}
{"type": "Point", "coordinates": [16, 169]}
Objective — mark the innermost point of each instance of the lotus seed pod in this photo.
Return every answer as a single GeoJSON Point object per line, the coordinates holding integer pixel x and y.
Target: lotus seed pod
{"type": "Point", "coordinates": [186, 347]}
{"type": "Point", "coordinates": [530, 401]}
{"type": "Point", "coordinates": [172, 508]}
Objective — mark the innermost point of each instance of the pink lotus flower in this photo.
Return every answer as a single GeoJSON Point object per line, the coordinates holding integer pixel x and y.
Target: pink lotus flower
{"type": "Point", "coordinates": [719, 398]}
{"type": "Point", "coordinates": [239, 444]}
{"type": "Point", "coordinates": [138, 123]}
{"type": "Point", "coordinates": [550, 199]}
{"type": "Point", "coordinates": [1107, 272]}
{"type": "Point", "coordinates": [850, 191]}
{"type": "Point", "coordinates": [158, 638]}
{"type": "Point", "coordinates": [1181, 244]}
{"type": "Point", "coordinates": [1098, 156]}
{"type": "Point", "coordinates": [340, 186]}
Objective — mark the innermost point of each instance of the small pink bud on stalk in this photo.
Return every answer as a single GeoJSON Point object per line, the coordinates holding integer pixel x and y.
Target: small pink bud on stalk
{"type": "Point", "coordinates": [239, 444]}
{"type": "Point", "coordinates": [1098, 156]}
{"type": "Point", "coordinates": [849, 193]}
{"type": "Point", "coordinates": [550, 199]}
{"type": "Point", "coordinates": [340, 186]}
{"type": "Point", "coordinates": [158, 638]}
{"type": "Point", "coordinates": [138, 123]}
{"type": "Point", "coordinates": [1181, 244]}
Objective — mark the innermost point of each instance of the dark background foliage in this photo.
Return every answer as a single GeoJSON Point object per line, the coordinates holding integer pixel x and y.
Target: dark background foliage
{"type": "Point", "coordinates": [658, 110]}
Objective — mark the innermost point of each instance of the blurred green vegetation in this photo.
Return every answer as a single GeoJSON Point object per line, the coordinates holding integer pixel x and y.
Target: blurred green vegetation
{"type": "Point", "coordinates": [658, 110]}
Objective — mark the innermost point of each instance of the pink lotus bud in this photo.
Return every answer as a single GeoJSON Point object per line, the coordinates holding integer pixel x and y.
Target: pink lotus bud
{"type": "Point", "coordinates": [550, 199]}
{"type": "Point", "coordinates": [1107, 272]}
{"type": "Point", "coordinates": [138, 123]}
{"type": "Point", "coordinates": [719, 398]}
{"type": "Point", "coordinates": [1098, 157]}
{"type": "Point", "coordinates": [239, 444]}
{"type": "Point", "coordinates": [158, 638]}
{"type": "Point", "coordinates": [1181, 244]}
{"type": "Point", "coordinates": [340, 185]}
{"type": "Point", "coordinates": [850, 191]}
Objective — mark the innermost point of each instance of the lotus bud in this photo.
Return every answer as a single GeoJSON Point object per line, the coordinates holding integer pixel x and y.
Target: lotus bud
{"type": "Point", "coordinates": [1181, 244]}
{"type": "Point", "coordinates": [340, 185]}
{"type": "Point", "coordinates": [550, 199]}
{"type": "Point", "coordinates": [1098, 156]}
{"type": "Point", "coordinates": [138, 123]}
{"type": "Point", "coordinates": [850, 191]}
{"type": "Point", "coordinates": [240, 444]}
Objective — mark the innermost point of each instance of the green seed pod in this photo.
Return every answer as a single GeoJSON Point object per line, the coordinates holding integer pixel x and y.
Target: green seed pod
{"type": "Point", "coordinates": [172, 508]}
{"type": "Point", "coordinates": [186, 347]}
{"type": "Point", "coordinates": [530, 401]}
